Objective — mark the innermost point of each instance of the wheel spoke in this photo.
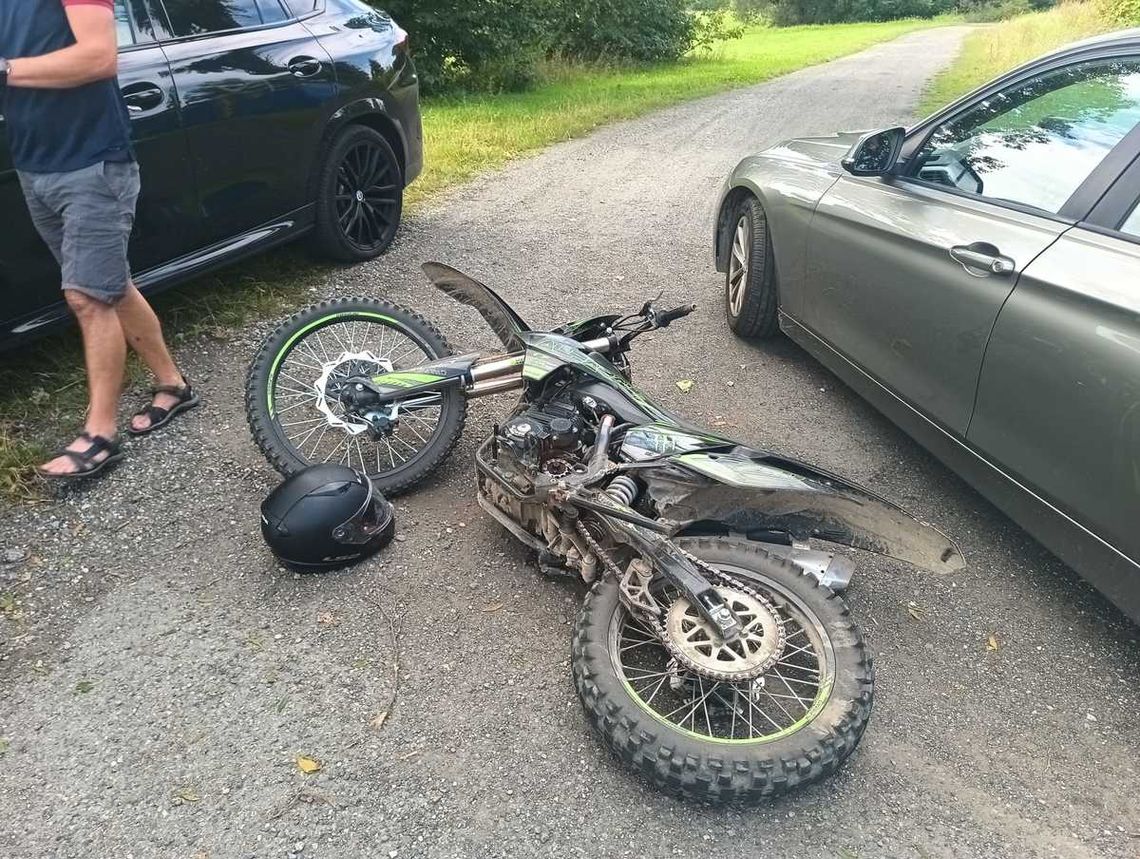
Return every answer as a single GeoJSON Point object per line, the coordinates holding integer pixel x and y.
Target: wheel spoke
{"type": "Point", "coordinates": [320, 429]}
{"type": "Point", "coordinates": [779, 700]}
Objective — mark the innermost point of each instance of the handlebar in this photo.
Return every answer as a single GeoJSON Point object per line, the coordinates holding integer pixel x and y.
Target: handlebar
{"type": "Point", "coordinates": [649, 318]}
{"type": "Point", "coordinates": [663, 318]}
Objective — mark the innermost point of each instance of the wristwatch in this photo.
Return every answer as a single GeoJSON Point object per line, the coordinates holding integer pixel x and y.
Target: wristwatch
{"type": "Point", "coordinates": [5, 67]}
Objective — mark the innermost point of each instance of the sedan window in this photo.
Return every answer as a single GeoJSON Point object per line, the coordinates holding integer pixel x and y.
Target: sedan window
{"type": "Point", "coordinates": [1131, 224]}
{"type": "Point", "coordinates": [195, 17]}
{"type": "Point", "coordinates": [301, 8]}
{"type": "Point", "coordinates": [1036, 142]}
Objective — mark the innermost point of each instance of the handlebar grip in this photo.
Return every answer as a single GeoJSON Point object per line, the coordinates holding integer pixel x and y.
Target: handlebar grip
{"type": "Point", "coordinates": [676, 313]}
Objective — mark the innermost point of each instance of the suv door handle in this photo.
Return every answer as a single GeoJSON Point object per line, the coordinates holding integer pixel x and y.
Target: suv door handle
{"type": "Point", "coordinates": [304, 67]}
{"type": "Point", "coordinates": [142, 96]}
{"type": "Point", "coordinates": [981, 259]}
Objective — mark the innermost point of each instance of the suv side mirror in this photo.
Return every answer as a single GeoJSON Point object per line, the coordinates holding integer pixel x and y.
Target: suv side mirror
{"type": "Point", "coordinates": [876, 153]}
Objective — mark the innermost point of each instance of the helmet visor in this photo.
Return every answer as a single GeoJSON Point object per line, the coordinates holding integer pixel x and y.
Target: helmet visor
{"type": "Point", "coordinates": [372, 517]}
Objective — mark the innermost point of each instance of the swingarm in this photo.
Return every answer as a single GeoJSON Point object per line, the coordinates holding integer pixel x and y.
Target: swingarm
{"type": "Point", "coordinates": [639, 533]}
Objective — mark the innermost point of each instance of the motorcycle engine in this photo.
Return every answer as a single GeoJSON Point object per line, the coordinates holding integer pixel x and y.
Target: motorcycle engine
{"type": "Point", "coordinates": [544, 438]}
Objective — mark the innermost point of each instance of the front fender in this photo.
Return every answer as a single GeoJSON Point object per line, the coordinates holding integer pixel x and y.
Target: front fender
{"type": "Point", "coordinates": [788, 180]}
{"type": "Point", "coordinates": [747, 491]}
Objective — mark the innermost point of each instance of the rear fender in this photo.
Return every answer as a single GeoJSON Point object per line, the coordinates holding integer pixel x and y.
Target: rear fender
{"type": "Point", "coordinates": [748, 491]}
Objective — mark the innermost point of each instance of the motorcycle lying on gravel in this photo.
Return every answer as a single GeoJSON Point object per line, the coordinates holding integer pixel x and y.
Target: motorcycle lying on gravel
{"type": "Point", "coordinates": [713, 652]}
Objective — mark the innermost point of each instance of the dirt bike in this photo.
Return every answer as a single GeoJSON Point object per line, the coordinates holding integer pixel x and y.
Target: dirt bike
{"type": "Point", "coordinates": [713, 652]}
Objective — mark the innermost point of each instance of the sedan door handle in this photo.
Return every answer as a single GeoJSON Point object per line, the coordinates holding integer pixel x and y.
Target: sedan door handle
{"type": "Point", "coordinates": [142, 96]}
{"type": "Point", "coordinates": [304, 67]}
{"type": "Point", "coordinates": [981, 258]}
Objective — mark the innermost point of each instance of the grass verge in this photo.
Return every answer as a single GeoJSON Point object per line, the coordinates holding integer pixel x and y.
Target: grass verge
{"type": "Point", "coordinates": [467, 136]}
{"type": "Point", "coordinates": [43, 390]}
{"type": "Point", "coordinates": [993, 50]}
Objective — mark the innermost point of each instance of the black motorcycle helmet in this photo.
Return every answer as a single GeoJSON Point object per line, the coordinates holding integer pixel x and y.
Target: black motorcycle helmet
{"type": "Point", "coordinates": [325, 517]}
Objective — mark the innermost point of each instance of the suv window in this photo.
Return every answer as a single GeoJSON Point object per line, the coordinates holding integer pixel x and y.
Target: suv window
{"type": "Point", "coordinates": [124, 32]}
{"type": "Point", "coordinates": [132, 24]}
{"type": "Point", "coordinates": [195, 17]}
{"type": "Point", "coordinates": [1036, 142]}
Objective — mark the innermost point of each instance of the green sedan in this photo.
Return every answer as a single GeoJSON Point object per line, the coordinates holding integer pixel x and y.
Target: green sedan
{"type": "Point", "coordinates": [977, 278]}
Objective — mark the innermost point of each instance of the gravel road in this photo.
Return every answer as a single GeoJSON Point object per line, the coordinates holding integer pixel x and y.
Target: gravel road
{"type": "Point", "coordinates": [161, 675]}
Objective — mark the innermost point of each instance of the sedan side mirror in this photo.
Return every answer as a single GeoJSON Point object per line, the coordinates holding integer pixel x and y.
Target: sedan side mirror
{"type": "Point", "coordinates": [876, 153]}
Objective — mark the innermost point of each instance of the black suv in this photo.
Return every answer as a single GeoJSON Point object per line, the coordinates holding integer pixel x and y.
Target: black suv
{"type": "Point", "coordinates": [254, 122]}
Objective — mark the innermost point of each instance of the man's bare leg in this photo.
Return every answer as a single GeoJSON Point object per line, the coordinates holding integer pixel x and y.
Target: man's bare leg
{"type": "Point", "coordinates": [143, 332]}
{"type": "Point", "coordinates": [105, 354]}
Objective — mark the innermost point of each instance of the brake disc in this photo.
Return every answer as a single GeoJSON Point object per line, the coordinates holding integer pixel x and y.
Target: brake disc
{"type": "Point", "coordinates": [344, 366]}
{"type": "Point", "coordinates": [695, 644]}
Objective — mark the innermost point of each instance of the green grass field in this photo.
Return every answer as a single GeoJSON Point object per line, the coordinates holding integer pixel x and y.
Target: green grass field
{"type": "Point", "coordinates": [43, 391]}
{"type": "Point", "coordinates": [471, 135]}
{"type": "Point", "coordinates": [1000, 47]}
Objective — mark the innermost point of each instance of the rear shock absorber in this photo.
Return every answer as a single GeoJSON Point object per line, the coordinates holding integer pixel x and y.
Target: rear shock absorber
{"type": "Point", "coordinates": [623, 489]}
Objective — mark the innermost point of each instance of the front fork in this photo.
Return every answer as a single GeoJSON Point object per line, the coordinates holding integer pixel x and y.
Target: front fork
{"type": "Point", "coordinates": [378, 400]}
{"type": "Point", "coordinates": [476, 374]}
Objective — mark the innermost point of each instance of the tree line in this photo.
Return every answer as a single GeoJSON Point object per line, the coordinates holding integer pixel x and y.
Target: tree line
{"type": "Point", "coordinates": [499, 44]}
{"type": "Point", "coordinates": [502, 44]}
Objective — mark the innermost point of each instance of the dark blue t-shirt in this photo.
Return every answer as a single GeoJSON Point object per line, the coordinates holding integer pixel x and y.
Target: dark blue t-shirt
{"type": "Point", "coordinates": [57, 130]}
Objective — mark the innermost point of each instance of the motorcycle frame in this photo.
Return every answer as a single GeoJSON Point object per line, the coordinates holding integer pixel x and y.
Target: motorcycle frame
{"type": "Point", "coordinates": [695, 479]}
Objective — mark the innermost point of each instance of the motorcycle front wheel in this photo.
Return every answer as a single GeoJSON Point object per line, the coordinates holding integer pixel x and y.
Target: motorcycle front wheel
{"type": "Point", "coordinates": [292, 389]}
{"type": "Point", "coordinates": [722, 740]}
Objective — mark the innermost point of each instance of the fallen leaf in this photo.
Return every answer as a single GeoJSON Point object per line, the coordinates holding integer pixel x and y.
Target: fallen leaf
{"type": "Point", "coordinates": [685, 385]}
{"type": "Point", "coordinates": [492, 607]}
{"type": "Point", "coordinates": [379, 719]}
{"type": "Point", "coordinates": [281, 704]}
{"type": "Point", "coordinates": [308, 765]}
{"type": "Point", "coordinates": [187, 794]}
{"type": "Point", "coordinates": [84, 686]}
{"type": "Point", "coordinates": [327, 617]}
{"type": "Point", "coordinates": [991, 643]}
{"type": "Point", "coordinates": [3, 745]}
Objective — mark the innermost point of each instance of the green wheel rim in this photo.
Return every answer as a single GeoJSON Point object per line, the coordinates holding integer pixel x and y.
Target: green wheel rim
{"type": "Point", "coordinates": [781, 718]}
{"type": "Point", "coordinates": [304, 419]}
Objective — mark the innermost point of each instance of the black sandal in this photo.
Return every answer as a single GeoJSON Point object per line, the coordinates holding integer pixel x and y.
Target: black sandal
{"type": "Point", "coordinates": [85, 463]}
{"type": "Point", "coordinates": [159, 416]}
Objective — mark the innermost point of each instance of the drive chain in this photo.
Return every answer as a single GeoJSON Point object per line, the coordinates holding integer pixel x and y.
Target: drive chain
{"type": "Point", "coordinates": [656, 622]}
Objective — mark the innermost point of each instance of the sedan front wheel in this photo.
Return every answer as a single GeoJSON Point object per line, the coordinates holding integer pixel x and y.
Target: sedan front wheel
{"type": "Point", "coordinates": [750, 293]}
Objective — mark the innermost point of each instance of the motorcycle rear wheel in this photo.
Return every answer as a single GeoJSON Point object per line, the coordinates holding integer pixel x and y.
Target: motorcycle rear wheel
{"type": "Point", "coordinates": [786, 732]}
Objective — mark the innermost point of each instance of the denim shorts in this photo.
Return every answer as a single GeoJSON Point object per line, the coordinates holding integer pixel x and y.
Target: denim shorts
{"type": "Point", "coordinates": [85, 218]}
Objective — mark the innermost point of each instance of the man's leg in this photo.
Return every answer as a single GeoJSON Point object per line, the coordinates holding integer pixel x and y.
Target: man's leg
{"type": "Point", "coordinates": [144, 334]}
{"type": "Point", "coordinates": [104, 352]}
